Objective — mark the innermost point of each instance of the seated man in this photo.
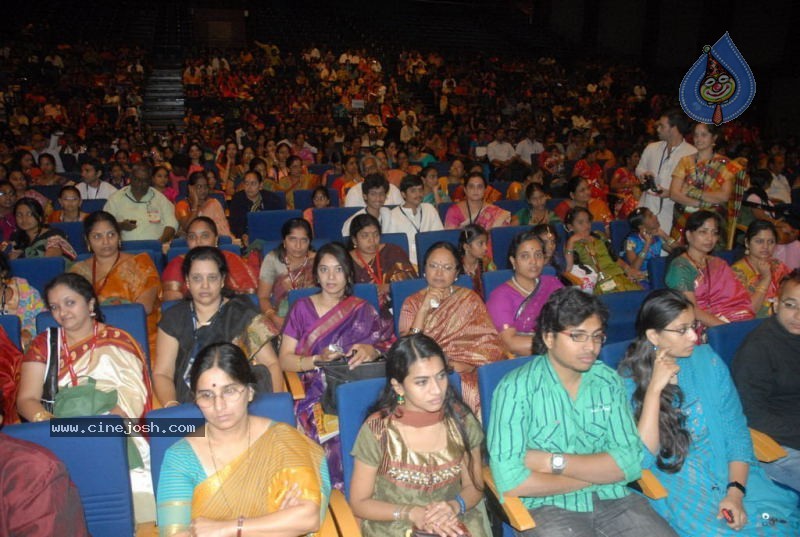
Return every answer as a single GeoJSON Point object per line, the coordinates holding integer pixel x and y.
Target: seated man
{"type": "Point", "coordinates": [574, 444]}
{"type": "Point", "coordinates": [766, 370]}
{"type": "Point", "coordinates": [375, 189]}
{"type": "Point", "coordinates": [92, 187]}
{"type": "Point", "coordinates": [143, 212]}
{"type": "Point", "coordinates": [355, 194]}
{"type": "Point", "coordinates": [37, 497]}
{"type": "Point", "coordinates": [413, 216]}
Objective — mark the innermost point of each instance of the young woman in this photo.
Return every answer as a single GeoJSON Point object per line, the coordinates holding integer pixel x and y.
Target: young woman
{"type": "Point", "coordinates": [580, 196]}
{"type": "Point", "coordinates": [646, 239]}
{"type": "Point", "coordinates": [706, 280]}
{"type": "Point", "coordinates": [116, 276]}
{"type": "Point", "coordinates": [474, 209]}
{"type": "Point", "coordinates": [252, 198]}
{"type": "Point", "coordinates": [694, 432]}
{"type": "Point", "coordinates": [584, 248]}
{"type": "Point", "coordinates": [553, 255]}
{"type": "Point", "coordinates": [70, 199]}
{"type": "Point", "coordinates": [433, 193]}
{"type": "Point", "coordinates": [536, 212]}
{"type": "Point", "coordinates": [418, 432]}
{"type": "Point", "coordinates": [161, 182]}
{"type": "Point", "coordinates": [625, 185]}
{"type": "Point", "coordinates": [473, 245]}
{"type": "Point", "coordinates": [246, 474]}
{"type": "Point", "coordinates": [199, 203]}
{"type": "Point", "coordinates": [515, 305]}
{"type": "Point", "coordinates": [33, 238]}
{"type": "Point", "coordinates": [454, 317]}
{"type": "Point", "coordinates": [320, 199]}
{"type": "Point", "coordinates": [286, 268]}
{"type": "Point", "coordinates": [17, 297]}
{"type": "Point", "coordinates": [758, 271]}
{"type": "Point", "coordinates": [47, 163]}
{"type": "Point", "coordinates": [329, 325]}
{"type": "Point", "coordinates": [296, 178]}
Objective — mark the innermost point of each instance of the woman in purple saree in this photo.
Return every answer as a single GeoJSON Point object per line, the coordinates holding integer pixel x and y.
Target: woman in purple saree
{"type": "Point", "coordinates": [326, 326]}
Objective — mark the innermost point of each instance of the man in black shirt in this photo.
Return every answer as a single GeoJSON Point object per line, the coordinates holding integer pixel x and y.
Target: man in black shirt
{"type": "Point", "coordinates": [766, 370]}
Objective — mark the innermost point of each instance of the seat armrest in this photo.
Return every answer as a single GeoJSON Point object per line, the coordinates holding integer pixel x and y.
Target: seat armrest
{"type": "Point", "coordinates": [294, 385]}
{"type": "Point", "coordinates": [766, 448]}
{"type": "Point", "coordinates": [651, 486]}
{"type": "Point", "coordinates": [346, 522]}
{"type": "Point", "coordinates": [518, 515]}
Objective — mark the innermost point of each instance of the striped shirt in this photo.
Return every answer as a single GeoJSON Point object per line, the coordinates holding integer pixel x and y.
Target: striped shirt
{"type": "Point", "coordinates": [531, 409]}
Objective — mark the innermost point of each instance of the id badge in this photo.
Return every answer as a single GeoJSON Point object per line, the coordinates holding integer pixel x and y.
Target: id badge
{"type": "Point", "coordinates": [153, 215]}
{"type": "Point", "coordinates": [607, 285]}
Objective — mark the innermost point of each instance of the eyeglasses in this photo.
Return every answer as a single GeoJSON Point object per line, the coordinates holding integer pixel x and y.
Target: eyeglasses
{"type": "Point", "coordinates": [583, 337]}
{"type": "Point", "coordinates": [437, 266]}
{"type": "Point", "coordinates": [790, 305]}
{"type": "Point", "coordinates": [229, 394]}
{"type": "Point", "coordinates": [683, 330]}
{"type": "Point", "coordinates": [199, 278]}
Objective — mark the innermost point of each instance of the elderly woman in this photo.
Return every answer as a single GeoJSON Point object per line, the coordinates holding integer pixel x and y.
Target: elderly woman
{"type": "Point", "coordinates": [246, 474]}
{"type": "Point", "coordinates": [455, 317]}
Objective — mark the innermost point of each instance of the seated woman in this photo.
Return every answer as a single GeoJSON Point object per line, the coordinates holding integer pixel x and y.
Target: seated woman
{"type": "Point", "coordinates": [625, 188]}
{"type": "Point", "coordinates": [706, 280]}
{"type": "Point", "coordinates": [202, 231]}
{"type": "Point", "coordinates": [455, 176]}
{"type": "Point", "coordinates": [296, 179]}
{"type": "Point", "coordinates": [590, 170]}
{"type": "Point", "coordinates": [22, 189]}
{"type": "Point", "coordinates": [249, 475]}
{"type": "Point", "coordinates": [533, 175]}
{"type": "Point", "coordinates": [473, 245]}
{"type": "Point", "coordinates": [694, 431]}
{"type": "Point", "coordinates": [758, 271]}
{"type": "Point", "coordinates": [584, 248]}
{"type": "Point", "coordinates": [455, 317]}
{"type": "Point", "coordinates": [250, 199]}
{"type": "Point", "coordinates": [17, 297]}
{"type": "Point", "coordinates": [211, 314]}
{"type": "Point", "coordinates": [119, 277]}
{"type": "Point", "coordinates": [329, 325]}
{"type": "Point", "coordinates": [536, 212]}
{"type": "Point", "coordinates": [33, 237]}
{"type": "Point", "coordinates": [474, 209]}
{"type": "Point", "coordinates": [418, 432]}
{"type": "Point", "coordinates": [646, 239]}
{"type": "Point", "coordinates": [490, 194]}
{"type": "Point", "coordinates": [161, 183]}
{"type": "Point", "coordinates": [198, 203]}
{"type": "Point", "coordinates": [515, 305]}
{"type": "Point", "coordinates": [320, 199]}
{"type": "Point", "coordinates": [432, 191]}
{"type": "Point", "coordinates": [286, 268]}
{"type": "Point", "coordinates": [553, 256]}
{"type": "Point", "coordinates": [47, 164]}
{"type": "Point", "coordinates": [61, 359]}
{"type": "Point", "coordinates": [580, 196]}
{"type": "Point", "coordinates": [70, 199]}
{"type": "Point", "coordinates": [378, 263]}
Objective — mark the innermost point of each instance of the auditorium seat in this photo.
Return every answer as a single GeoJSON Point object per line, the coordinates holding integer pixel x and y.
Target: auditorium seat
{"type": "Point", "coordinates": [401, 290]}
{"type": "Point", "coordinates": [75, 236]}
{"type": "Point", "coordinates": [266, 225]}
{"type": "Point", "coordinates": [328, 222]}
{"type": "Point", "coordinates": [726, 339]}
{"type": "Point", "coordinates": [426, 239]}
{"type": "Point", "coordinates": [13, 329]}
{"type": "Point", "coordinates": [38, 270]}
{"type": "Point", "coordinates": [501, 240]}
{"type": "Point", "coordinates": [303, 199]}
{"type": "Point", "coordinates": [623, 308]}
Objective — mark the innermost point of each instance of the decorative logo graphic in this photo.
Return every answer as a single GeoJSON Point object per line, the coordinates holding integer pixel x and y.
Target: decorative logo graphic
{"type": "Point", "coordinates": [720, 85]}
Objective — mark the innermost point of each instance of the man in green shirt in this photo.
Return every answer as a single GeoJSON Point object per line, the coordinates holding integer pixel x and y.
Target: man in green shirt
{"type": "Point", "coordinates": [561, 435]}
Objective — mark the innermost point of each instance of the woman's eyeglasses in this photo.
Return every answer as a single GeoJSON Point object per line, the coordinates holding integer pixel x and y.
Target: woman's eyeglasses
{"type": "Point", "coordinates": [229, 394]}
{"type": "Point", "coordinates": [683, 330]}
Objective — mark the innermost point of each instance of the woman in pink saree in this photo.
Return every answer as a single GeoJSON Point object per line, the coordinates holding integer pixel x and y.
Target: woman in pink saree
{"type": "Point", "coordinates": [474, 209]}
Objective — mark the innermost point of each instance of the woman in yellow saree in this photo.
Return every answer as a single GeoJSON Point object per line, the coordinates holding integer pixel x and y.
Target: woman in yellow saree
{"type": "Point", "coordinates": [296, 179]}
{"type": "Point", "coordinates": [246, 474]}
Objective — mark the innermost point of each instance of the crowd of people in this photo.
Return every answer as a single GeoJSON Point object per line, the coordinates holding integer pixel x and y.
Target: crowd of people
{"type": "Point", "coordinates": [568, 145]}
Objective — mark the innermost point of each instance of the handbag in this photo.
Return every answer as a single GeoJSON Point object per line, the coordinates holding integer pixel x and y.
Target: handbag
{"type": "Point", "coordinates": [83, 400]}
{"type": "Point", "coordinates": [338, 372]}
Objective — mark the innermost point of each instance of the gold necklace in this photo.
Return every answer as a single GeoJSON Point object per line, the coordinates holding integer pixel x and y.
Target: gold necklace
{"type": "Point", "coordinates": [216, 471]}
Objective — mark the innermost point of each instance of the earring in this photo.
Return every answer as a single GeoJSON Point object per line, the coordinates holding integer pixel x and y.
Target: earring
{"type": "Point", "coordinates": [93, 314]}
{"type": "Point", "coordinates": [746, 250]}
{"type": "Point", "coordinates": [655, 348]}
{"type": "Point", "coordinates": [400, 399]}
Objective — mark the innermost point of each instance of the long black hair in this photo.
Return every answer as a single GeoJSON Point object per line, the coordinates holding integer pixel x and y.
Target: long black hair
{"type": "Point", "coordinates": [227, 357]}
{"type": "Point", "coordinates": [660, 308]}
{"type": "Point", "coordinates": [401, 356]}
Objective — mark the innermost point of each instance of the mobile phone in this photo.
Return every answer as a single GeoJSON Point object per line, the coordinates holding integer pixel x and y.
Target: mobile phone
{"type": "Point", "coordinates": [728, 514]}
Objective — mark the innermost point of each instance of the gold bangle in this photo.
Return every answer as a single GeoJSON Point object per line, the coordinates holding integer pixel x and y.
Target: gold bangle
{"type": "Point", "coordinates": [42, 415]}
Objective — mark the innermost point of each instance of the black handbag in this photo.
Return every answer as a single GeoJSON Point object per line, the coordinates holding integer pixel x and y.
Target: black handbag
{"type": "Point", "coordinates": [338, 372]}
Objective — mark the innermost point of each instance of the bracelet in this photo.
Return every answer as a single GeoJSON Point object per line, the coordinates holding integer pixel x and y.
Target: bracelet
{"type": "Point", "coordinates": [761, 289]}
{"type": "Point", "coordinates": [401, 512]}
{"type": "Point", "coordinates": [569, 252]}
{"type": "Point", "coordinates": [171, 403]}
{"type": "Point", "coordinates": [736, 484]}
{"type": "Point", "coordinates": [42, 415]}
{"type": "Point", "coordinates": [239, 526]}
{"type": "Point", "coordinates": [461, 504]}
{"type": "Point", "coordinates": [415, 331]}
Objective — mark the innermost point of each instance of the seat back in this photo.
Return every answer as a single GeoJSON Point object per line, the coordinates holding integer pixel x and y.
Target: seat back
{"type": "Point", "coordinates": [489, 376]}
{"type": "Point", "coordinates": [400, 291]}
{"type": "Point", "coordinates": [364, 291]}
{"type": "Point", "coordinates": [99, 468]}
{"type": "Point", "coordinates": [13, 328]}
{"type": "Point", "coordinates": [501, 240]}
{"type": "Point", "coordinates": [443, 207]}
{"type": "Point", "coordinates": [175, 251]}
{"type": "Point", "coordinates": [328, 222]}
{"type": "Point", "coordinates": [623, 308]}
{"type": "Point", "coordinates": [266, 225]}
{"type": "Point", "coordinates": [128, 317]}
{"type": "Point", "coordinates": [275, 406]}
{"type": "Point", "coordinates": [426, 239]}
{"type": "Point", "coordinates": [38, 270]}
{"type": "Point", "coordinates": [398, 239]}
{"type": "Point", "coordinates": [353, 399]}
{"type": "Point", "coordinates": [657, 272]}
{"type": "Point", "coordinates": [619, 230]}
{"type": "Point", "coordinates": [181, 242]}
{"type": "Point", "coordinates": [303, 199]}
{"type": "Point", "coordinates": [91, 206]}
{"type": "Point", "coordinates": [511, 206]}
{"type": "Point", "coordinates": [74, 233]}
{"type": "Point", "coordinates": [612, 353]}
{"type": "Point", "coordinates": [726, 339]}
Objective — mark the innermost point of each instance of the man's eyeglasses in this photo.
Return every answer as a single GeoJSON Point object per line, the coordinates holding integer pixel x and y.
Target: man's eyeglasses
{"type": "Point", "coordinates": [790, 305]}
{"type": "Point", "coordinates": [683, 330]}
{"type": "Point", "coordinates": [583, 337]}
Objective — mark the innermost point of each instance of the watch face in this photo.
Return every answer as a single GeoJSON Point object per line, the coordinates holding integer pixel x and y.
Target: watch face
{"type": "Point", "coordinates": [558, 462]}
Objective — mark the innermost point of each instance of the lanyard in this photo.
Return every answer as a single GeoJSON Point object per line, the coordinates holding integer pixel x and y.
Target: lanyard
{"type": "Point", "coordinates": [417, 227]}
{"type": "Point", "coordinates": [375, 275]}
{"type": "Point", "coordinates": [469, 212]}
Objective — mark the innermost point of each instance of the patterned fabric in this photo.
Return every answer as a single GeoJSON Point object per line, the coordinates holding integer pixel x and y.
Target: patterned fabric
{"type": "Point", "coordinates": [287, 185]}
{"type": "Point", "coordinates": [594, 253]}
{"type": "Point", "coordinates": [242, 274]}
{"type": "Point", "coordinates": [597, 208]}
{"type": "Point", "coordinates": [490, 216]}
{"type": "Point", "coordinates": [463, 329]}
{"type": "Point", "coordinates": [628, 195]}
{"type": "Point", "coordinates": [211, 209]}
{"type": "Point", "coordinates": [10, 362]}
{"type": "Point", "coordinates": [408, 477]}
{"type": "Point", "coordinates": [395, 266]}
{"type": "Point", "coordinates": [49, 238]}
{"type": "Point", "coordinates": [593, 174]}
{"type": "Point", "coordinates": [525, 218]}
{"type": "Point", "coordinates": [749, 277]}
{"type": "Point", "coordinates": [505, 301]}
{"type": "Point", "coordinates": [24, 302]}
{"type": "Point", "coordinates": [275, 271]}
{"type": "Point", "coordinates": [252, 485]}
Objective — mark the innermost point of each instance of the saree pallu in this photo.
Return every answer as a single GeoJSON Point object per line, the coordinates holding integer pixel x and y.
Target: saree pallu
{"type": "Point", "coordinates": [299, 278]}
{"type": "Point", "coordinates": [594, 253]}
{"type": "Point", "coordinates": [395, 267]}
{"type": "Point", "coordinates": [716, 289]}
{"type": "Point", "coordinates": [10, 362]}
{"type": "Point", "coordinates": [506, 300]}
{"type": "Point", "coordinates": [242, 275]}
{"type": "Point", "coordinates": [462, 328]}
{"type": "Point", "coordinates": [749, 277]}
{"type": "Point", "coordinates": [288, 186]}
{"type": "Point", "coordinates": [252, 485]}
{"type": "Point", "coordinates": [352, 321]}
{"type": "Point", "coordinates": [597, 208]}
{"type": "Point", "coordinates": [709, 176]}
{"type": "Point", "coordinates": [628, 195]}
{"type": "Point", "coordinates": [484, 265]}
{"type": "Point", "coordinates": [489, 217]}
{"type": "Point", "coordinates": [525, 218]}
{"type": "Point", "coordinates": [212, 209]}
{"type": "Point", "coordinates": [51, 238]}
{"type": "Point", "coordinates": [125, 282]}
{"type": "Point", "coordinates": [593, 174]}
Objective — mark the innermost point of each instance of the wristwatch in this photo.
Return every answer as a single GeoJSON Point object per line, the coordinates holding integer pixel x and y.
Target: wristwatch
{"type": "Point", "coordinates": [557, 463]}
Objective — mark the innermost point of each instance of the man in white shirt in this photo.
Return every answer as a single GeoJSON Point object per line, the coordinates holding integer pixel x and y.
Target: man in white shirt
{"type": "Point", "coordinates": [658, 161]}
{"type": "Point", "coordinates": [92, 188]}
{"type": "Point", "coordinates": [529, 146]}
{"type": "Point", "coordinates": [779, 190]}
{"type": "Point", "coordinates": [499, 152]}
{"type": "Point", "coordinates": [355, 196]}
{"type": "Point", "coordinates": [143, 212]}
{"type": "Point", "coordinates": [41, 144]}
{"type": "Point", "coordinates": [413, 216]}
{"type": "Point", "coordinates": [376, 186]}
